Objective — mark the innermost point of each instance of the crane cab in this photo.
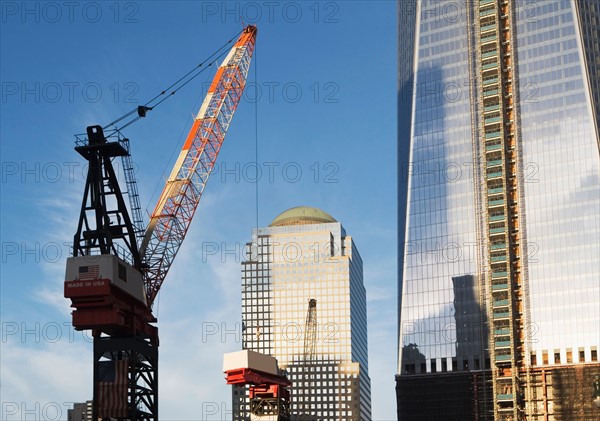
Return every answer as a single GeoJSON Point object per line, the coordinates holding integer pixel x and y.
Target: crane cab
{"type": "Point", "coordinates": [107, 294]}
{"type": "Point", "coordinates": [86, 275]}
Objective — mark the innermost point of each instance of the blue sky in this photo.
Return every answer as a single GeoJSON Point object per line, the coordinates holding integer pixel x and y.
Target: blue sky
{"type": "Point", "coordinates": [323, 82]}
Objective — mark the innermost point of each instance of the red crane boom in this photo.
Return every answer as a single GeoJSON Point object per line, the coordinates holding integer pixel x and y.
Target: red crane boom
{"type": "Point", "coordinates": [175, 209]}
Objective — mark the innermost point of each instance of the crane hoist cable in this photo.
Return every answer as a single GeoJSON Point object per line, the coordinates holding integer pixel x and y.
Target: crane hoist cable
{"type": "Point", "coordinates": [256, 179]}
{"type": "Point", "coordinates": [140, 112]}
{"type": "Point", "coordinates": [186, 78]}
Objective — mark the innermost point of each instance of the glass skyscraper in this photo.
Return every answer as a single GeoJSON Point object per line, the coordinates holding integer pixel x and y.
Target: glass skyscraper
{"type": "Point", "coordinates": [304, 302]}
{"type": "Point", "coordinates": [499, 209]}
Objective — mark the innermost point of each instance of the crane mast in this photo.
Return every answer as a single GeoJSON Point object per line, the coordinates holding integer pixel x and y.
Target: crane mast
{"type": "Point", "coordinates": [101, 226]}
{"type": "Point", "coordinates": [310, 329]}
{"type": "Point", "coordinates": [310, 345]}
{"type": "Point", "coordinates": [180, 197]}
{"type": "Point", "coordinates": [112, 280]}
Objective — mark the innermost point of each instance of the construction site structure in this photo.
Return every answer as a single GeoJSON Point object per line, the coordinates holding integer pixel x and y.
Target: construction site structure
{"type": "Point", "coordinates": [116, 270]}
{"type": "Point", "coordinates": [310, 329]}
{"type": "Point", "coordinates": [268, 387]}
{"type": "Point", "coordinates": [310, 345]}
{"type": "Point", "coordinates": [502, 200]}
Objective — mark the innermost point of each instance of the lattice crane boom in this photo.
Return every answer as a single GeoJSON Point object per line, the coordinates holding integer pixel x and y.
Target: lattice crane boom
{"type": "Point", "coordinates": [310, 329]}
{"type": "Point", "coordinates": [310, 349]}
{"type": "Point", "coordinates": [179, 200]}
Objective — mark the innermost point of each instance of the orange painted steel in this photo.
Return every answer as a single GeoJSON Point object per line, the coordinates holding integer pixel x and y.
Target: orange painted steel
{"type": "Point", "coordinates": [255, 377]}
{"type": "Point", "coordinates": [173, 214]}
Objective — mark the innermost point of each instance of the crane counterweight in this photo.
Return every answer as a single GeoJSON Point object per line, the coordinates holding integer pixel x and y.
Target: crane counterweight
{"type": "Point", "coordinates": [268, 387]}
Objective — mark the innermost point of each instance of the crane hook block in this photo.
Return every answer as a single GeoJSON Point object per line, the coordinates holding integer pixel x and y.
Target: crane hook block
{"type": "Point", "coordinates": [142, 109]}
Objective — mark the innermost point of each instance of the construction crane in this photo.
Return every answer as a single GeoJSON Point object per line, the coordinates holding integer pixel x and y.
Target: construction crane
{"type": "Point", "coordinates": [269, 389]}
{"type": "Point", "coordinates": [310, 344]}
{"type": "Point", "coordinates": [117, 268]}
{"type": "Point", "coordinates": [310, 329]}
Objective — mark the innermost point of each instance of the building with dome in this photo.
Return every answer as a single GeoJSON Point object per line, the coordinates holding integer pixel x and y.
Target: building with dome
{"type": "Point", "coordinates": [304, 256]}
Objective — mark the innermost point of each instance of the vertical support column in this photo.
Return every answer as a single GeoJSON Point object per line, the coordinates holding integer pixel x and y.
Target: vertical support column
{"type": "Point", "coordinates": [125, 378]}
{"type": "Point", "coordinates": [501, 200]}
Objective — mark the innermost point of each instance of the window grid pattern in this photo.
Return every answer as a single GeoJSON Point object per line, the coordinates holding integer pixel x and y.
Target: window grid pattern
{"type": "Point", "coordinates": [561, 183]}
{"type": "Point", "coordinates": [441, 303]}
{"type": "Point", "coordinates": [285, 267]}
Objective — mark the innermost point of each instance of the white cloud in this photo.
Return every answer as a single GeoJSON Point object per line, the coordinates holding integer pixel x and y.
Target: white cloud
{"type": "Point", "coordinates": [43, 378]}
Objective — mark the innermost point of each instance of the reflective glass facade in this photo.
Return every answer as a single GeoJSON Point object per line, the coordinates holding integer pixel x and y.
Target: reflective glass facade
{"type": "Point", "coordinates": [441, 229]}
{"type": "Point", "coordinates": [499, 207]}
{"type": "Point", "coordinates": [288, 264]}
{"type": "Point", "coordinates": [561, 185]}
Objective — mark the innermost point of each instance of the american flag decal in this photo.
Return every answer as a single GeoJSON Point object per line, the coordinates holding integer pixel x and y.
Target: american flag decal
{"type": "Point", "coordinates": [89, 272]}
{"type": "Point", "coordinates": [112, 389]}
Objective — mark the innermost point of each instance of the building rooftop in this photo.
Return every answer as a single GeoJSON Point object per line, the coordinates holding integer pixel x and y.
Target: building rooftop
{"type": "Point", "coordinates": [302, 215]}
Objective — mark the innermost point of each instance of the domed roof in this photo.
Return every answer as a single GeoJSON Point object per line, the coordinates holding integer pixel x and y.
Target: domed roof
{"type": "Point", "coordinates": [302, 215]}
